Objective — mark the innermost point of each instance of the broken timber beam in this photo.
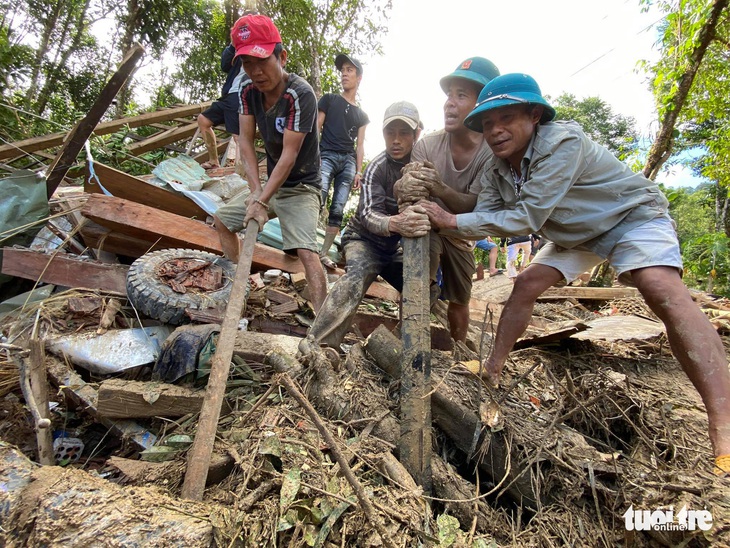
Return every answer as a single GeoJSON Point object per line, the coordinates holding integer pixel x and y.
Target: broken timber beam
{"type": "Point", "coordinates": [120, 399]}
{"type": "Point", "coordinates": [172, 135]}
{"type": "Point", "coordinates": [65, 270]}
{"type": "Point", "coordinates": [595, 293]}
{"type": "Point", "coordinates": [35, 144]}
{"type": "Point", "coordinates": [79, 135]}
{"type": "Point", "coordinates": [156, 229]}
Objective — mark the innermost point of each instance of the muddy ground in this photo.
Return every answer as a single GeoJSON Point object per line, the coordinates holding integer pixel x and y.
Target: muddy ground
{"type": "Point", "coordinates": [587, 430]}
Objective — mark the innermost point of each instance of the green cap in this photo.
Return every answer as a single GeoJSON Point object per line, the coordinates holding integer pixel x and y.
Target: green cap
{"type": "Point", "coordinates": [475, 69]}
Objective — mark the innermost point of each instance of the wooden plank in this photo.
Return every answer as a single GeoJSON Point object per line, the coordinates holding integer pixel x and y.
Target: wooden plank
{"type": "Point", "coordinates": [120, 399]}
{"type": "Point", "coordinates": [151, 224]}
{"type": "Point", "coordinates": [72, 146]}
{"type": "Point", "coordinates": [136, 189]}
{"type": "Point", "coordinates": [85, 396]}
{"type": "Point", "coordinates": [104, 240]}
{"type": "Point", "coordinates": [65, 270]}
{"type": "Point", "coordinates": [385, 291]}
{"type": "Point", "coordinates": [276, 327]}
{"type": "Point", "coordinates": [558, 331]}
{"type": "Point", "coordinates": [165, 138]}
{"type": "Point", "coordinates": [56, 139]}
{"type": "Point", "coordinates": [285, 308]}
{"type": "Point", "coordinates": [198, 459]}
{"type": "Point", "coordinates": [368, 322]}
{"type": "Point", "coordinates": [594, 293]}
{"type": "Point", "coordinates": [164, 230]}
{"type": "Point", "coordinates": [279, 297]}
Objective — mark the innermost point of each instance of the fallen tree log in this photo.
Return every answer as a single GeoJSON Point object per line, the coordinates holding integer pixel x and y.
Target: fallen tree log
{"type": "Point", "coordinates": [460, 423]}
{"type": "Point", "coordinates": [62, 506]}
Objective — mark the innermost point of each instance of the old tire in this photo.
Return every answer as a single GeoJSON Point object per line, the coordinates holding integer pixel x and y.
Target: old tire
{"type": "Point", "coordinates": [156, 299]}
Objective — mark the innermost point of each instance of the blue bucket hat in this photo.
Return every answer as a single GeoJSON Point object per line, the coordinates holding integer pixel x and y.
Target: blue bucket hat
{"type": "Point", "coordinates": [475, 69]}
{"type": "Point", "coordinates": [505, 90]}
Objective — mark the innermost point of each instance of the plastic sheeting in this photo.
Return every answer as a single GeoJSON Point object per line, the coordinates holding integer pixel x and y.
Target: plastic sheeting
{"type": "Point", "coordinates": [23, 201]}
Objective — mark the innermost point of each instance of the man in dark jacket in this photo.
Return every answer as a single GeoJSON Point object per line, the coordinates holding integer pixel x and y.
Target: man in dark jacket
{"type": "Point", "coordinates": [372, 236]}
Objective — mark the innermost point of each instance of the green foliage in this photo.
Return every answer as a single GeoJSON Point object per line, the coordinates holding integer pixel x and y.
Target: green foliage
{"type": "Point", "coordinates": [614, 131]}
{"type": "Point", "coordinates": [703, 126]}
{"type": "Point", "coordinates": [707, 262]}
{"type": "Point", "coordinates": [52, 67]}
{"type": "Point", "coordinates": [314, 31]}
{"type": "Point", "coordinates": [199, 76]}
{"type": "Point", "coordinates": [704, 120]}
{"type": "Point", "coordinates": [15, 60]}
{"type": "Point", "coordinates": [111, 150]}
{"type": "Point", "coordinates": [704, 250]}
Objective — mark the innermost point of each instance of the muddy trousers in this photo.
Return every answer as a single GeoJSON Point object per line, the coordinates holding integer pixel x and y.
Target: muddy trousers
{"type": "Point", "coordinates": [364, 264]}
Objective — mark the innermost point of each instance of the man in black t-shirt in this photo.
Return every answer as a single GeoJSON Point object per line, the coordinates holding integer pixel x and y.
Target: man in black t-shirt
{"type": "Point", "coordinates": [284, 108]}
{"type": "Point", "coordinates": [342, 126]}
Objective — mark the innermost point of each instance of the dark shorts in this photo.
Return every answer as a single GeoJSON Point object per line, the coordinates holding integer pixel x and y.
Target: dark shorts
{"type": "Point", "coordinates": [225, 110]}
{"type": "Point", "coordinates": [457, 267]}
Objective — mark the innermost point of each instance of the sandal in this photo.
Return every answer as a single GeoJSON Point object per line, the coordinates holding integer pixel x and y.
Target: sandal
{"type": "Point", "coordinates": [497, 273]}
{"type": "Point", "coordinates": [722, 465]}
{"type": "Point", "coordinates": [209, 165]}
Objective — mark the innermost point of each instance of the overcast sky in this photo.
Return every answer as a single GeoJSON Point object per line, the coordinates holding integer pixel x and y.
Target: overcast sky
{"type": "Point", "coordinates": [583, 47]}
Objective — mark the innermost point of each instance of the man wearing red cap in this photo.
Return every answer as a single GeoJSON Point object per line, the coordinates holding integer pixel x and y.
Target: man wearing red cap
{"type": "Point", "coordinates": [284, 108]}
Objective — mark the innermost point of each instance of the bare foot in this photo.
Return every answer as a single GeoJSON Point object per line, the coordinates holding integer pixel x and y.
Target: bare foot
{"type": "Point", "coordinates": [491, 373]}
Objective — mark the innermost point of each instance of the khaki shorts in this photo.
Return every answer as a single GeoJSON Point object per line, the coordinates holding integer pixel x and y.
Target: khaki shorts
{"type": "Point", "coordinates": [652, 244]}
{"type": "Point", "coordinates": [457, 268]}
{"type": "Point", "coordinates": [296, 207]}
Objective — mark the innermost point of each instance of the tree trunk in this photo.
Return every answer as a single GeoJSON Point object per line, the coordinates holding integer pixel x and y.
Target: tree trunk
{"type": "Point", "coordinates": [722, 199]}
{"type": "Point", "coordinates": [79, 24]}
{"type": "Point", "coordinates": [130, 24]}
{"type": "Point", "coordinates": [315, 74]}
{"type": "Point", "coordinates": [662, 147]}
{"type": "Point", "coordinates": [233, 9]}
{"type": "Point", "coordinates": [48, 27]}
{"type": "Point", "coordinates": [459, 424]}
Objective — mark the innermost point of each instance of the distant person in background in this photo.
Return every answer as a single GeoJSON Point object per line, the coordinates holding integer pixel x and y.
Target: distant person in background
{"type": "Point", "coordinates": [512, 247]}
{"type": "Point", "coordinates": [341, 123]}
{"type": "Point", "coordinates": [284, 109]}
{"type": "Point", "coordinates": [225, 109]}
{"type": "Point", "coordinates": [551, 177]}
{"type": "Point", "coordinates": [537, 242]}
{"type": "Point", "coordinates": [492, 249]}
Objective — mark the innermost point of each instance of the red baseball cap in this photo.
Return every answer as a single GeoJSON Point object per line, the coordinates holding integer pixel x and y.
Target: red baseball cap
{"type": "Point", "coordinates": [255, 35]}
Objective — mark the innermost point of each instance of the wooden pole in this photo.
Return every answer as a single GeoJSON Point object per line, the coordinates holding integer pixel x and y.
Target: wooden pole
{"type": "Point", "coordinates": [199, 455]}
{"type": "Point", "coordinates": [415, 405]}
{"type": "Point", "coordinates": [39, 389]}
{"type": "Point", "coordinates": [78, 136]}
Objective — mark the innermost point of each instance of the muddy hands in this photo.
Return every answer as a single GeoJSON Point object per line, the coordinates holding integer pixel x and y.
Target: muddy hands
{"type": "Point", "coordinates": [412, 222]}
{"type": "Point", "coordinates": [420, 181]}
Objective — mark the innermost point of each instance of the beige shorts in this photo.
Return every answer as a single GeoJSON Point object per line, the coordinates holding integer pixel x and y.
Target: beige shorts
{"type": "Point", "coordinates": [457, 269]}
{"type": "Point", "coordinates": [652, 244]}
{"type": "Point", "coordinates": [297, 209]}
